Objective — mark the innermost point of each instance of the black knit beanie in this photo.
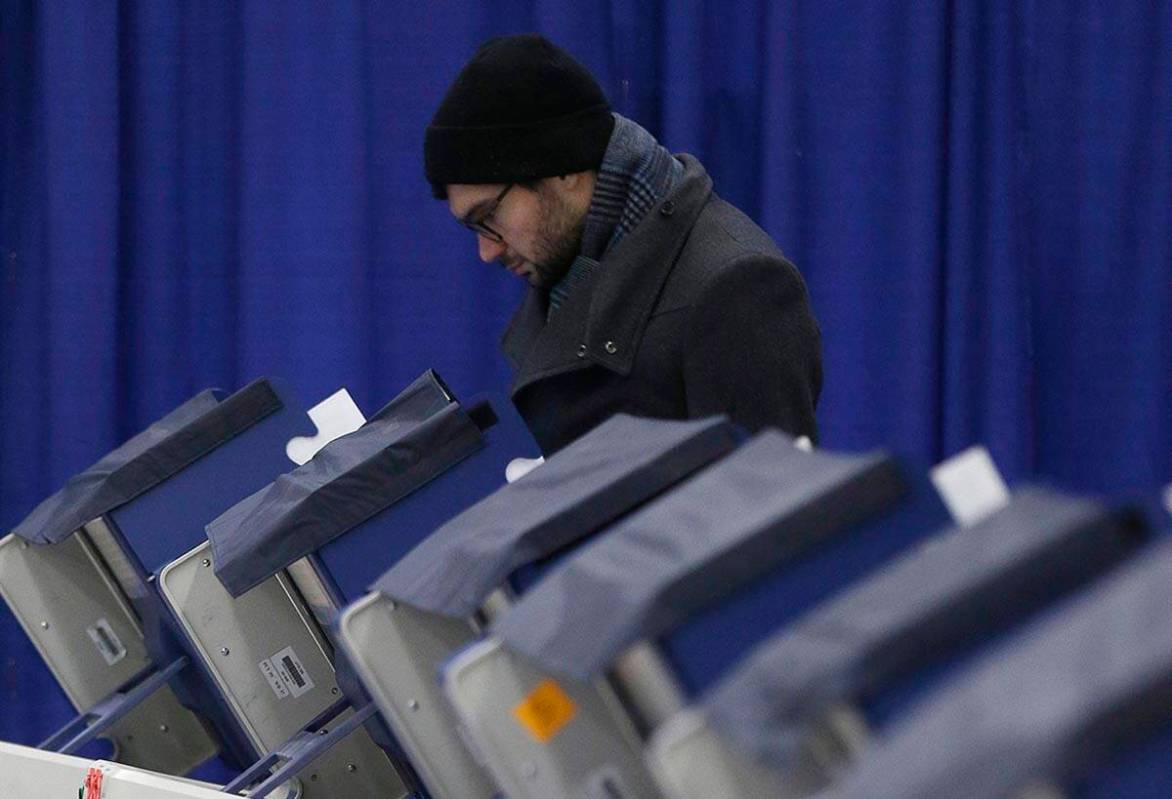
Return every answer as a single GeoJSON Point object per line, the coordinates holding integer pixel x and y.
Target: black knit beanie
{"type": "Point", "coordinates": [521, 109]}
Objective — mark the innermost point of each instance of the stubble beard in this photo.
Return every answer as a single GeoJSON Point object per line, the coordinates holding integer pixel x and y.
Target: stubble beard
{"type": "Point", "coordinates": [559, 240]}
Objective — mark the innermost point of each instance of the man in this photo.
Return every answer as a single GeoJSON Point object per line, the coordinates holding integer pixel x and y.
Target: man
{"type": "Point", "coordinates": [648, 294]}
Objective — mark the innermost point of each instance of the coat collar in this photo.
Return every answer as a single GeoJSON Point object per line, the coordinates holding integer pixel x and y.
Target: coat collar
{"type": "Point", "coordinates": [602, 321]}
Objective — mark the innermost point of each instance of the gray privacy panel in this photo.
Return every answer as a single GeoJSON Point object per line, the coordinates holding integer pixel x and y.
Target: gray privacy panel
{"type": "Point", "coordinates": [766, 503]}
{"type": "Point", "coordinates": [541, 738]}
{"type": "Point", "coordinates": [274, 669]}
{"type": "Point", "coordinates": [182, 436]}
{"type": "Point", "coordinates": [239, 638]}
{"type": "Point", "coordinates": [420, 434]}
{"type": "Point", "coordinates": [1043, 706]}
{"type": "Point", "coordinates": [396, 649]}
{"type": "Point", "coordinates": [691, 761]}
{"type": "Point", "coordinates": [1039, 547]}
{"type": "Point", "coordinates": [617, 466]}
{"type": "Point", "coordinates": [87, 634]}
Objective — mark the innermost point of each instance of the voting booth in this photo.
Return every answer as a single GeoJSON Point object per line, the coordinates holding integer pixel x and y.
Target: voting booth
{"type": "Point", "coordinates": [661, 603]}
{"type": "Point", "coordinates": [662, 609]}
{"type": "Point", "coordinates": [78, 573]}
{"type": "Point", "coordinates": [790, 718]}
{"type": "Point", "coordinates": [439, 597]}
{"type": "Point", "coordinates": [1075, 706]}
{"type": "Point", "coordinates": [257, 600]}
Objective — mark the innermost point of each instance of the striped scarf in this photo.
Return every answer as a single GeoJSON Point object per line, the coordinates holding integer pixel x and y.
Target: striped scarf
{"type": "Point", "coordinates": [636, 172]}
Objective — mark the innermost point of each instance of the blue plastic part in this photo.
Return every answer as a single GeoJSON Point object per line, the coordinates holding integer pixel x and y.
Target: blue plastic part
{"type": "Point", "coordinates": [760, 609]}
{"type": "Point", "coordinates": [169, 519]}
{"type": "Point", "coordinates": [355, 560]}
{"type": "Point", "coordinates": [1142, 772]}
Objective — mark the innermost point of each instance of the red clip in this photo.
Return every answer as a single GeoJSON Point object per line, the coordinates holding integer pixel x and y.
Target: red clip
{"type": "Point", "coordinates": [93, 784]}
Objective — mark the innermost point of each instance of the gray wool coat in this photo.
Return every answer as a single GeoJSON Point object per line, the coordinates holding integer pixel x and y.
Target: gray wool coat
{"type": "Point", "coordinates": [694, 312]}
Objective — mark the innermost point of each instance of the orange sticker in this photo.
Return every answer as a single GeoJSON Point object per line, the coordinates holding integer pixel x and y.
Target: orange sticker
{"type": "Point", "coordinates": [545, 710]}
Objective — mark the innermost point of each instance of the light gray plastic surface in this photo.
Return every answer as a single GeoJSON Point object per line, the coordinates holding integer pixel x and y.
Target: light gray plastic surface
{"type": "Point", "coordinates": [82, 626]}
{"type": "Point", "coordinates": [595, 754]}
{"type": "Point", "coordinates": [690, 761]}
{"type": "Point", "coordinates": [396, 650]}
{"type": "Point", "coordinates": [273, 665]}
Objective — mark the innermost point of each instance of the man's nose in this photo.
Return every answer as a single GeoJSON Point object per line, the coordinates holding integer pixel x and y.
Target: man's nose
{"type": "Point", "coordinates": [489, 250]}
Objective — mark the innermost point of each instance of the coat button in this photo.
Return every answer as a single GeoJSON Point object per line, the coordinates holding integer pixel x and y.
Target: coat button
{"type": "Point", "coordinates": [581, 350]}
{"type": "Point", "coordinates": [668, 208]}
{"type": "Point", "coordinates": [610, 347]}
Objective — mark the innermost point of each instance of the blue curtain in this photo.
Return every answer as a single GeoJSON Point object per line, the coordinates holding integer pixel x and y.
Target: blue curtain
{"type": "Point", "coordinates": [198, 193]}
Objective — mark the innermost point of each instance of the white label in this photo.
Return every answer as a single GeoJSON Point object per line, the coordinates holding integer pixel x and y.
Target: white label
{"type": "Point", "coordinates": [335, 416]}
{"type": "Point", "coordinates": [107, 641]}
{"type": "Point", "coordinates": [519, 467]}
{"type": "Point", "coordinates": [274, 680]}
{"type": "Point", "coordinates": [286, 675]}
{"type": "Point", "coordinates": [970, 486]}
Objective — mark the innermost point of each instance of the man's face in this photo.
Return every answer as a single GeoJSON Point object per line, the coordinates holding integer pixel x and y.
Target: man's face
{"type": "Point", "coordinates": [540, 227]}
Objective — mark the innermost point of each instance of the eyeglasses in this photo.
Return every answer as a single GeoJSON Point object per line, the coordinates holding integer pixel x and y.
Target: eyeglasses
{"type": "Point", "coordinates": [479, 225]}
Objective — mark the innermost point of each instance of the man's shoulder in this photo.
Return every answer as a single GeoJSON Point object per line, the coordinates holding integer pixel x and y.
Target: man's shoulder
{"type": "Point", "coordinates": [723, 241]}
{"type": "Point", "coordinates": [724, 227]}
